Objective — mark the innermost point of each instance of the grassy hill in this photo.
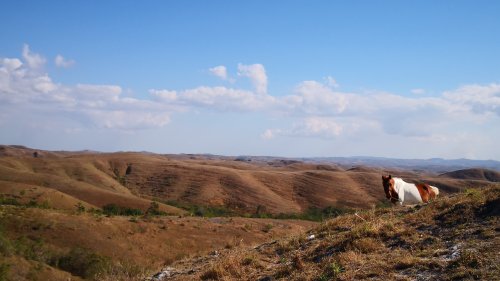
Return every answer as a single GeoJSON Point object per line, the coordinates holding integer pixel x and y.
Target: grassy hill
{"type": "Point", "coordinates": [46, 244]}
{"type": "Point", "coordinates": [121, 216]}
{"type": "Point", "coordinates": [475, 174]}
{"type": "Point", "coordinates": [63, 179]}
{"type": "Point", "coordinates": [452, 238]}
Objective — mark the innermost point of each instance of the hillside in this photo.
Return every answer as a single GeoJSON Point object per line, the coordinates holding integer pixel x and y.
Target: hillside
{"type": "Point", "coordinates": [62, 179]}
{"type": "Point", "coordinates": [119, 216]}
{"type": "Point", "coordinates": [46, 244]}
{"type": "Point", "coordinates": [474, 174]}
{"type": "Point", "coordinates": [452, 238]}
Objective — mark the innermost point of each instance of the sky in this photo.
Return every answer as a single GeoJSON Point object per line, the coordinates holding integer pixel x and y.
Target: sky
{"type": "Point", "coordinates": [402, 79]}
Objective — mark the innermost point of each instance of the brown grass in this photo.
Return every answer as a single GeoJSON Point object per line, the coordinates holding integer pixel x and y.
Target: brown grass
{"type": "Point", "coordinates": [452, 238]}
{"type": "Point", "coordinates": [146, 243]}
{"type": "Point", "coordinates": [98, 179]}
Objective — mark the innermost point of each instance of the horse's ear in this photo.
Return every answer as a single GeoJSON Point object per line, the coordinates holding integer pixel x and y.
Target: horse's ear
{"type": "Point", "coordinates": [390, 177]}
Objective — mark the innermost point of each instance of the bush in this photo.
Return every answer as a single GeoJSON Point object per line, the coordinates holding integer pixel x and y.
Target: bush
{"type": "Point", "coordinates": [9, 201]}
{"type": "Point", "coordinates": [84, 263]}
{"type": "Point", "coordinates": [4, 270]}
{"type": "Point", "coordinates": [80, 208]}
{"type": "Point", "coordinates": [115, 210]}
{"type": "Point", "coordinates": [154, 209]}
{"type": "Point", "coordinates": [311, 214]}
{"type": "Point", "coordinates": [6, 247]}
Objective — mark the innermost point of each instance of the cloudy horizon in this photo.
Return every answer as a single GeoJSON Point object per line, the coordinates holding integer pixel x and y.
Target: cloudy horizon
{"type": "Point", "coordinates": [56, 97]}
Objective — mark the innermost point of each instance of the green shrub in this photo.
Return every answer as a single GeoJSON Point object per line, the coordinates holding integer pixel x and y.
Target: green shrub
{"type": "Point", "coordinates": [267, 228]}
{"type": "Point", "coordinates": [9, 201]}
{"type": "Point", "coordinates": [85, 263]}
{"type": "Point", "coordinates": [4, 270]}
{"type": "Point", "coordinates": [6, 247]}
{"type": "Point", "coordinates": [80, 208]}
{"type": "Point", "coordinates": [115, 210]}
{"type": "Point", "coordinates": [154, 209]}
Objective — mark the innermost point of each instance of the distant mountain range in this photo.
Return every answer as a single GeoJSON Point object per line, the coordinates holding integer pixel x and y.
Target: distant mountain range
{"type": "Point", "coordinates": [434, 165]}
{"type": "Point", "coordinates": [437, 165]}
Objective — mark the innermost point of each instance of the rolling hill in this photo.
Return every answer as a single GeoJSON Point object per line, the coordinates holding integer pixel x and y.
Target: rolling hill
{"type": "Point", "coordinates": [60, 212]}
{"type": "Point", "coordinates": [474, 174]}
{"type": "Point", "coordinates": [62, 179]}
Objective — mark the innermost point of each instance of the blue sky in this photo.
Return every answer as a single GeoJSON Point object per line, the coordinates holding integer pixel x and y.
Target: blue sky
{"type": "Point", "coordinates": [319, 78]}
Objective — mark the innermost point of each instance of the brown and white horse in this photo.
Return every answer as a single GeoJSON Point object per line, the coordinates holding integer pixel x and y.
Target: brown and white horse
{"type": "Point", "coordinates": [397, 190]}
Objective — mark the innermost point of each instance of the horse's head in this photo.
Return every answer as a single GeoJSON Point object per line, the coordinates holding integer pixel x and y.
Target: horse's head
{"type": "Point", "coordinates": [390, 191]}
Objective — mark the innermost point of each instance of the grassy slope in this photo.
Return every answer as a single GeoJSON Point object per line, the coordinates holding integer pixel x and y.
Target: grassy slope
{"type": "Point", "coordinates": [453, 238]}
{"type": "Point", "coordinates": [96, 179]}
{"type": "Point", "coordinates": [61, 182]}
{"type": "Point", "coordinates": [42, 237]}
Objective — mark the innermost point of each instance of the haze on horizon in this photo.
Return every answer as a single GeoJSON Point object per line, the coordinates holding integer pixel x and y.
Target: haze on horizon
{"type": "Point", "coordinates": [329, 78]}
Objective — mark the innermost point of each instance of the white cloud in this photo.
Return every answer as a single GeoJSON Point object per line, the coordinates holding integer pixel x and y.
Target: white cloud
{"type": "Point", "coordinates": [43, 84]}
{"type": "Point", "coordinates": [219, 71]}
{"type": "Point", "coordinates": [417, 91]}
{"type": "Point", "coordinates": [269, 134]}
{"type": "Point", "coordinates": [127, 119]}
{"type": "Point", "coordinates": [60, 61]}
{"type": "Point", "coordinates": [35, 61]}
{"type": "Point", "coordinates": [11, 64]}
{"type": "Point", "coordinates": [312, 97]}
{"type": "Point", "coordinates": [480, 99]}
{"type": "Point", "coordinates": [226, 99]}
{"type": "Point", "coordinates": [316, 127]}
{"type": "Point", "coordinates": [23, 86]}
{"type": "Point", "coordinates": [331, 82]}
{"type": "Point", "coordinates": [313, 110]}
{"type": "Point", "coordinates": [163, 95]}
{"type": "Point", "coordinates": [257, 75]}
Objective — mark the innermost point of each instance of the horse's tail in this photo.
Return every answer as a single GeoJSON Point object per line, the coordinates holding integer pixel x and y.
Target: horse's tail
{"type": "Point", "coordinates": [435, 189]}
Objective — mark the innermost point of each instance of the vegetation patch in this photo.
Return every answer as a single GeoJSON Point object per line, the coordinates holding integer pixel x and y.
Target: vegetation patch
{"type": "Point", "coordinates": [116, 210]}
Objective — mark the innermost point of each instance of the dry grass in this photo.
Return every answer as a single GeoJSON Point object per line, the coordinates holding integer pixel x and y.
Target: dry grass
{"type": "Point", "coordinates": [129, 179]}
{"type": "Point", "coordinates": [453, 238]}
{"type": "Point", "coordinates": [135, 246]}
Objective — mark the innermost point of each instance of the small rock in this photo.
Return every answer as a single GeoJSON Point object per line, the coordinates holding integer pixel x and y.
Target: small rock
{"type": "Point", "coordinates": [167, 272]}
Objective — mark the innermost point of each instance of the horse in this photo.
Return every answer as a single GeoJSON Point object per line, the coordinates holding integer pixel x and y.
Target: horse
{"type": "Point", "coordinates": [397, 190]}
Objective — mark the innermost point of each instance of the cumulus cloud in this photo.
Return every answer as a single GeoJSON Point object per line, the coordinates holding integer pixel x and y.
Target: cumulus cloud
{"type": "Point", "coordinates": [257, 75]}
{"type": "Point", "coordinates": [417, 91]}
{"type": "Point", "coordinates": [24, 85]}
{"type": "Point", "coordinates": [35, 61]}
{"type": "Point", "coordinates": [312, 110]}
{"type": "Point", "coordinates": [346, 113]}
{"type": "Point", "coordinates": [480, 99]}
{"type": "Point", "coordinates": [11, 64]}
{"type": "Point", "coordinates": [269, 134]}
{"type": "Point", "coordinates": [60, 61]}
{"type": "Point", "coordinates": [219, 71]}
{"type": "Point", "coordinates": [312, 97]}
{"type": "Point", "coordinates": [331, 82]}
{"type": "Point", "coordinates": [163, 95]}
{"type": "Point", "coordinates": [317, 127]}
{"type": "Point", "coordinates": [216, 98]}
{"type": "Point", "coordinates": [127, 119]}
